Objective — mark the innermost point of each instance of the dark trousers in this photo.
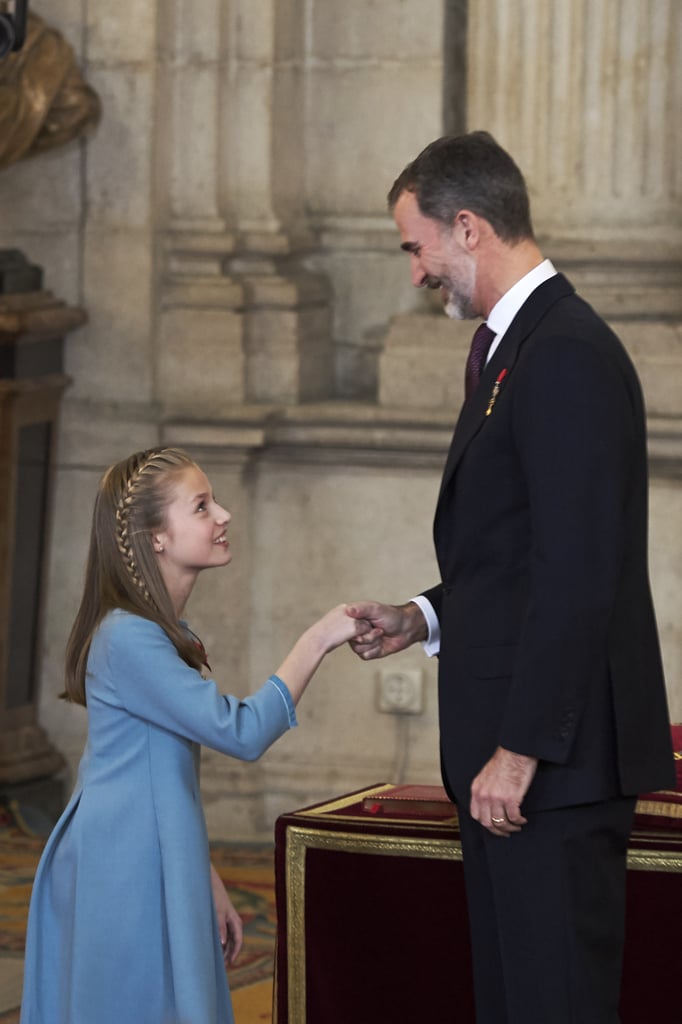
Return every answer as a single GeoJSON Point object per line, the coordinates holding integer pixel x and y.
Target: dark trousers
{"type": "Point", "coordinates": [547, 915]}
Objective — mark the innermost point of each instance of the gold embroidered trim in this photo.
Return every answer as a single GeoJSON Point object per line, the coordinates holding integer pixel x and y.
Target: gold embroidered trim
{"type": "Point", "coordinates": [660, 808]}
{"type": "Point", "coordinates": [298, 841]}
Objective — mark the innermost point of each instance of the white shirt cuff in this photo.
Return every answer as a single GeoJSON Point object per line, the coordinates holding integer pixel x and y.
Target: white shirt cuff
{"type": "Point", "coordinates": [432, 643]}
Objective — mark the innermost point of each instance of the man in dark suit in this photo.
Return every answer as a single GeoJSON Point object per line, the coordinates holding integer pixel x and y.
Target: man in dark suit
{"type": "Point", "coordinates": [551, 696]}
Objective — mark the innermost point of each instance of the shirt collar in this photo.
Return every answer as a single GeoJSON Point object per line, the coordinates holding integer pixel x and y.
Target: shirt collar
{"type": "Point", "coordinates": [506, 308]}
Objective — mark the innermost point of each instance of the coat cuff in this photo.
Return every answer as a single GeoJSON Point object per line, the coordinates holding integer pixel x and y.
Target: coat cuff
{"type": "Point", "coordinates": [283, 691]}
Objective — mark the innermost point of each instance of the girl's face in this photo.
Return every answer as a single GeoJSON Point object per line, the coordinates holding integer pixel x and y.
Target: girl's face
{"type": "Point", "coordinates": [194, 535]}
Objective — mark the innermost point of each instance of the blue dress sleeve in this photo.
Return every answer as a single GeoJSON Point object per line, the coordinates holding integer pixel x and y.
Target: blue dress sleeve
{"type": "Point", "coordinates": [134, 664]}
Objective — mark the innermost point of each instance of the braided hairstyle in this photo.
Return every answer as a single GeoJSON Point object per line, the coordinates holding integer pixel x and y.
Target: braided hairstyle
{"type": "Point", "coordinates": [122, 569]}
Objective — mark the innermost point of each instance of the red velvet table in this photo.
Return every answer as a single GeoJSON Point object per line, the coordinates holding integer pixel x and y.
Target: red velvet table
{"type": "Point", "coordinates": [372, 922]}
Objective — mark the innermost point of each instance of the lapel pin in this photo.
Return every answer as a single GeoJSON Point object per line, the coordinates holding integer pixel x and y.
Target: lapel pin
{"type": "Point", "coordinates": [495, 391]}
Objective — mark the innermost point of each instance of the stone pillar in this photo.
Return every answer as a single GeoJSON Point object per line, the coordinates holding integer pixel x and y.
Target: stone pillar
{"type": "Point", "coordinates": [188, 114]}
{"type": "Point", "coordinates": [288, 335]}
{"type": "Point", "coordinates": [586, 97]}
{"type": "Point", "coordinates": [372, 98]}
{"type": "Point", "coordinates": [234, 286]}
{"type": "Point", "coordinates": [238, 327]}
{"type": "Point", "coordinates": [247, 112]}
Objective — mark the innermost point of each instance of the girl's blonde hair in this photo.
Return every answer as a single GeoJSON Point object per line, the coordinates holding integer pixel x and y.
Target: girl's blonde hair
{"type": "Point", "coordinates": [122, 569]}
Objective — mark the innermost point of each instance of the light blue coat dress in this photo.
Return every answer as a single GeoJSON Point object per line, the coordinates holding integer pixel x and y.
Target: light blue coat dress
{"type": "Point", "coordinates": [122, 926]}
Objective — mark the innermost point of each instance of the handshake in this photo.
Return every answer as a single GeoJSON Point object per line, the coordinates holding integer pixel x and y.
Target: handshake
{"type": "Point", "coordinates": [373, 630]}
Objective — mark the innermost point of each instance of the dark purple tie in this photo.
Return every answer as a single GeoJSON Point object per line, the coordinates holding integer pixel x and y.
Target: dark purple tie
{"type": "Point", "coordinates": [480, 345]}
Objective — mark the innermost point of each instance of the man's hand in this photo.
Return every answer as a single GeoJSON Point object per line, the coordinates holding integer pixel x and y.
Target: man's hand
{"type": "Point", "coordinates": [498, 790]}
{"type": "Point", "coordinates": [393, 628]}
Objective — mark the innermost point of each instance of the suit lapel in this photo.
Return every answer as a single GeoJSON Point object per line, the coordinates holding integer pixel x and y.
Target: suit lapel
{"type": "Point", "coordinates": [473, 414]}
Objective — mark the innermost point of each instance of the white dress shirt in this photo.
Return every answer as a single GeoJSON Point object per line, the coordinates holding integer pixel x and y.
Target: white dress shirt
{"type": "Point", "coordinates": [501, 316]}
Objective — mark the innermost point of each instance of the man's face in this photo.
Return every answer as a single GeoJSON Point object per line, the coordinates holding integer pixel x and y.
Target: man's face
{"type": "Point", "coordinates": [437, 258]}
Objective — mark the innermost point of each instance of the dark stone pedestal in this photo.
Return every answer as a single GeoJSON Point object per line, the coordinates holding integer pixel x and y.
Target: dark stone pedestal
{"type": "Point", "coordinates": [33, 325]}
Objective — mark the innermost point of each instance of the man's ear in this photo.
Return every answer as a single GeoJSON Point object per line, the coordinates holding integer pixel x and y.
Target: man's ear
{"type": "Point", "coordinates": [467, 229]}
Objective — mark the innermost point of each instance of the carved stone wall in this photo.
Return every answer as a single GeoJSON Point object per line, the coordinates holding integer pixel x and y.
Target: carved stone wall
{"type": "Point", "coordinates": [586, 96]}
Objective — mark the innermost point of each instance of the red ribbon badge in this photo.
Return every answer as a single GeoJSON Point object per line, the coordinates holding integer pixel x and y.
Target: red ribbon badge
{"type": "Point", "coordinates": [495, 392]}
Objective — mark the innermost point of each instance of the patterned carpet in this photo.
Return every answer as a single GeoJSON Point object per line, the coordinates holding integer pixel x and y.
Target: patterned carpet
{"type": "Point", "coordinates": [248, 872]}
{"type": "Point", "coordinates": [246, 869]}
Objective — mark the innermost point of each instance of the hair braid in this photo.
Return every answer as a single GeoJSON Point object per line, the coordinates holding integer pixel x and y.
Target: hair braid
{"type": "Point", "coordinates": [124, 507]}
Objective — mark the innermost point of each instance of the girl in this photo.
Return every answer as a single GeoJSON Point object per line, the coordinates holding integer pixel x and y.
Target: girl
{"type": "Point", "coordinates": [128, 920]}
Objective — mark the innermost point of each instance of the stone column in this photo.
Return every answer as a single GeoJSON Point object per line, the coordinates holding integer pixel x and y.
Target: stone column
{"type": "Point", "coordinates": [111, 360]}
{"type": "Point", "coordinates": [188, 114]}
{"type": "Point", "coordinates": [196, 303]}
{"type": "Point", "coordinates": [586, 97]}
{"type": "Point", "coordinates": [233, 283]}
{"type": "Point", "coordinates": [373, 98]}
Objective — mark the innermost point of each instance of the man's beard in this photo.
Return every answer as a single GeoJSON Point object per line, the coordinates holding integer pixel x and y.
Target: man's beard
{"type": "Point", "coordinates": [459, 306]}
{"type": "Point", "coordinates": [459, 298]}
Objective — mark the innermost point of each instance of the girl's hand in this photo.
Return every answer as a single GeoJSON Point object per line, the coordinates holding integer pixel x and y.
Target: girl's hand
{"type": "Point", "coordinates": [337, 627]}
{"type": "Point", "coordinates": [229, 921]}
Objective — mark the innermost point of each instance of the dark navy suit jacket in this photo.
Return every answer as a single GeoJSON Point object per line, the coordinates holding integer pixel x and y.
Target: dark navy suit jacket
{"type": "Point", "coordinates": [549, 644]}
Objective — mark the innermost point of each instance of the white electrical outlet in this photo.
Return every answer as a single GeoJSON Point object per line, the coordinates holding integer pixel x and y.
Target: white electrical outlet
{"type": "Point", "coordinates": [401, 692]}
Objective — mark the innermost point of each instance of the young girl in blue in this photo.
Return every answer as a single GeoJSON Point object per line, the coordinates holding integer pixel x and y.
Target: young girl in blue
{"type": "Point", "coordinates": [128, 920]}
